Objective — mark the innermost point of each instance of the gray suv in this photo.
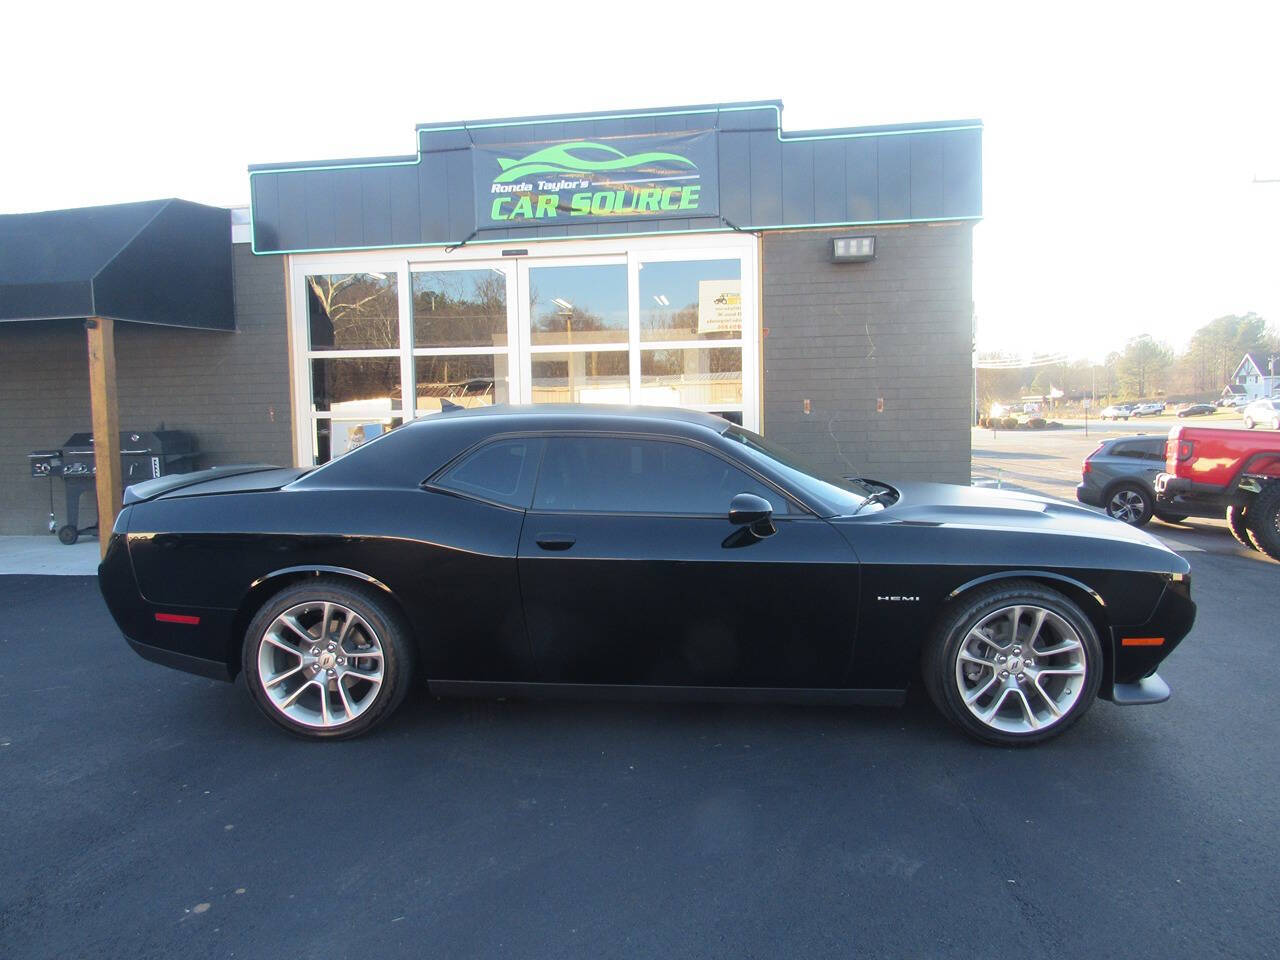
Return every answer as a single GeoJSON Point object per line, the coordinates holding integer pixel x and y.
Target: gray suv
{"type": "Point", "coordinates": [1120, 478]}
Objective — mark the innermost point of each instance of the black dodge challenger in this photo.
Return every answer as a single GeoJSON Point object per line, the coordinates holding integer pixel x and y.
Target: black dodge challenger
{"type": "Point", "coordinates": [643, 553]}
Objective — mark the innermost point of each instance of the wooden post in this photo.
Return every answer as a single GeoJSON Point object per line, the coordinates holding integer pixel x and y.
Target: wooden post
{"type": "Point", "coordinates": [106, 422]}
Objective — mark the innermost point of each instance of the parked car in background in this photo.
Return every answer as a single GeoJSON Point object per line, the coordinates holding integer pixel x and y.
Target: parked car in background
{"type": "Point", "coordinates": [601, 551]}
{"type": "Point", "coordinates": [1262, 413]}
{"type": "Point", "coordinates": [1116, 412]}
{"type": "Point", "coordinates": [1148, 409]}
{"type": "Point", "coordinates": [1198, 410]}
{"type": "Point", "coordinates": [1120, 476]}
{"type": "Point", "coordinates": [1231, 401]}
{"type": "Point", "coordinates": [1212, 471]}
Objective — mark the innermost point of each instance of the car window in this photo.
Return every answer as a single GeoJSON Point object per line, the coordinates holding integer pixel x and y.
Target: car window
{"type": "Point", "coordinates": [633, 475]}
{"type": "Point", "coordinates": [502, 471]}
{"type": "Point", "coordinates": [1126, 450]}
{"type": "Point", "coordinates": [1153, 450]}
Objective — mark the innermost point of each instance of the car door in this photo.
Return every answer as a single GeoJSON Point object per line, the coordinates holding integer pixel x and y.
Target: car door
{"type": "Point", "coordinates": [631, 572]}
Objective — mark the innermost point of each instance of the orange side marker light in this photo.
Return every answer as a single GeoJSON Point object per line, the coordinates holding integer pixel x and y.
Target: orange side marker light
{"type": "Point", "coordinates": [1142, 642]}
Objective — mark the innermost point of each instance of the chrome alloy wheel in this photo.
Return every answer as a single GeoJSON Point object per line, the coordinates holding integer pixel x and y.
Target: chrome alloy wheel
{"type": "Point", "coordinates": [320, 664]}
{"type": "Point", "coordinates": [1126, 505]}
{"type": "Point", "coordinates": [1021, 669]}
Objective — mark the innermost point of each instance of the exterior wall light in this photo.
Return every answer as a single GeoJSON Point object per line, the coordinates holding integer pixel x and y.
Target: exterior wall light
{"type": "Point", "coordinates": [853, 249]}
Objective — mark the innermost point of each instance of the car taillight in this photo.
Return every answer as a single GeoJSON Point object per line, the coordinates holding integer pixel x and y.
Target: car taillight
{"type": "Point", "coordinates": [1185, 449]}
{"type": "Point", "coordinates": [1087, 466]}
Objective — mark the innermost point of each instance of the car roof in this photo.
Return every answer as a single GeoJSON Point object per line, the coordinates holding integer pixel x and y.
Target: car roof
{"type": "Point", "coordinates": [1112, 441]}
{"type": "Point", "coordinates": [578, 415]}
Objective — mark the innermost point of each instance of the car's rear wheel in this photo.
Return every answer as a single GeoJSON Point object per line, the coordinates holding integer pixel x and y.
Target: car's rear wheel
{"type": "Point", "coordinates": [1129, 503]}
{"type": "Point", "coordinates": [1237, 523]}
{"type": "Point", "coordinates": [1013, 664]}
{"type": "Point", "coordinates": [1263, 521]}
{"type": "Point", "coordinates": [326, 659]}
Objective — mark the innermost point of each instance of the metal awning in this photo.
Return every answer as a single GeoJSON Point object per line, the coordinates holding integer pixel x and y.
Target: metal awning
{"type": "Point", "coordinates": [164, 262]}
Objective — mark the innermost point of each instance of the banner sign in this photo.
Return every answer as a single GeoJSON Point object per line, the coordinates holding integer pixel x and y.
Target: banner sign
{"type": "Point", "coordinates": [640, 177]}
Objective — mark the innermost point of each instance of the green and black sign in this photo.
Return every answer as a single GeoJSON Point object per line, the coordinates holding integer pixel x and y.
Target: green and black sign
{"type": "Point", "coordinates": [658, 176]}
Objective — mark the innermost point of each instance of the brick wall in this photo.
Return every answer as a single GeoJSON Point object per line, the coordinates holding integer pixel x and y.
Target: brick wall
{"type": "Point", "coordinates": [231, 390]}
{"type": "Point", "coordinates": [843, 335]}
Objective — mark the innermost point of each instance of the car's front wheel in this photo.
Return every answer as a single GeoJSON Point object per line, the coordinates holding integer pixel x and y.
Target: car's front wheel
{"type": "Point", "coordinates": [326, 659]}
{"type": "Point", "coordinates": [1014, 663]}
{"type": "Point", "coordinates": [1129, 503]}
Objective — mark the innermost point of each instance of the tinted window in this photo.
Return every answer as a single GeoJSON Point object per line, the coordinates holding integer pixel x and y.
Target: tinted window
{"type": "Point", "coordinates": [622, 475]}
{"type": "Point", "coordinates": [502, 471]}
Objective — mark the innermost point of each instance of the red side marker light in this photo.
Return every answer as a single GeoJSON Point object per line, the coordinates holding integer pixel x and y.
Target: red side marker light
{"type": "Point", "coordinates": [1142, 642]}
{"type": "Point", "coordinates": [177, 618]}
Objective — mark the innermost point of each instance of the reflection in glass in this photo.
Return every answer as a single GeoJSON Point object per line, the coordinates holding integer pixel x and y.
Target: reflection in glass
{"type": "Point", "coordinates": [353, 311]}
{"type": "Point", "coordinates": [691, 300]}
{"type": "Point", "coordinates": [468, 381]}
{"type": "Point", "coordinates": [340, 384]}
{"type": "Point", "coordinates": [694, 377]}
{"type": "Point", "coordinates": [460, 308]}
{"type": "Point", "coordinates": [583, 304]}
{"type": "Point", "coordinates": [333, 438]}
{"type": "Point", "coordinates": [596, 377]}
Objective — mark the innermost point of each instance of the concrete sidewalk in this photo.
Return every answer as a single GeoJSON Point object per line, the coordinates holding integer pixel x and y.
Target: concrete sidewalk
{"type": "Point", "coordinates": [45, 555]}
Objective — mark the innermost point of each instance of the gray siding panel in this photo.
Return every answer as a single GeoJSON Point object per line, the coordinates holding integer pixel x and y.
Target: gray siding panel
{"type": "Point", "coordinates": [349, 214]}
{"type": "Point", "coordinates": [405, 225]}
{"type": "Point", "coordinates": [844, 335]}
{"type": "Point", "coordinates": [926, 174]}
{"type": "Point", "coordinates": [962, 174]}
{"type": "Point", "coordinates": [828, 181]}
{"type": "Point", "coordinates": [797, 183]}
{"type": "Point", "coordinates": [317, 191]}
{"type": "Point", "coordinates": [862, 180]}
{"type": "Point", "coordinates": [375, 205]}
{"type": "Point", "coordinates": [433, 201]}
{"type": "Point", "coordinates": [735, 177]}
{"type": "Point", "coordinates": [893, 167]}
{"type": "Point", "coordinates": [766, 178]}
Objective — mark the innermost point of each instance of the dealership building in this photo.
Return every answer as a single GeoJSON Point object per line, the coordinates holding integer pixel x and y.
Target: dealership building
{"type": "Point", "coordinates": [812, 285]}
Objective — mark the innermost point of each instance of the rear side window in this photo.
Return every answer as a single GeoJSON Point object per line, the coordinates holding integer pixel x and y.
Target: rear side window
{"type": "Point", "coordinates": [502, 471]}
{"type": "Point", "coordinates": [626, 475]}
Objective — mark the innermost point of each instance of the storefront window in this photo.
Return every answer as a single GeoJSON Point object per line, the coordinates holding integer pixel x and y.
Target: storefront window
{"type": "Point", "coordinates": [333, 438]}
{"type": "Point", "coordinates": [691, 378]}
{"type": "Point", "coordinates": [460, 308]}
{"type": "Point", "coordinates": [345, 384]}
{"type": "Point", "coordinates": [691, 300]}
{"type": "Point", "coordinates": [578, 304]}
{"type": "Point", "coordinates": [582, 377]}
{"type": "Point", "coordinates": [468, 381]}
{"type": "Point", "coordinates": [353, 311]}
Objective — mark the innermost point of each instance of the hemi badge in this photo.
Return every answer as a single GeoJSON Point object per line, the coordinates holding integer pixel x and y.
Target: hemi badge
{"type": "Point", "coordinates": [1142, 642]}
{"type": "Point", "coordinates": [177, 618]}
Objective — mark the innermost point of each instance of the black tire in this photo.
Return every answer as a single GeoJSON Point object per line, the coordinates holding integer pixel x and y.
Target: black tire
{"type": "Point", "coordinates": [1248, 423]}
{"type": "Point", "coordinates": [68, 534]}
{"type": "Point", "coordinates": [1237, 523]}
{"type": "Point", "coordinates": [1169, 517]}
{"type": "Point", "coordinates": [392, 633]}
{"type": "Point", "coordinates": [1135, 497]}
{"type": "Point", "coordinates": [1263, 521]}
{"type": "Point", "coordinates": [939, 660]}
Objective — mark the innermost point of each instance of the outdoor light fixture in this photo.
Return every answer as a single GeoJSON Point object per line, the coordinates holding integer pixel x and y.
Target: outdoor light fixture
{"type": "Point", "coordinates": [562, 304]}
{"type": "Point", "coordinates": [661, 301]}
{"type": "Point", "coordinates": [853, 249]}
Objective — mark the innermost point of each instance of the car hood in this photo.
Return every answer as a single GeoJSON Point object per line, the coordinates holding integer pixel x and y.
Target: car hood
{"type": "Point", "coordinates": [943, 504]}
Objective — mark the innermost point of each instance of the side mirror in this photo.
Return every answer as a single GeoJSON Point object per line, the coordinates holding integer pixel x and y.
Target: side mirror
{"type": "Point", "coordinates": [755, 513]}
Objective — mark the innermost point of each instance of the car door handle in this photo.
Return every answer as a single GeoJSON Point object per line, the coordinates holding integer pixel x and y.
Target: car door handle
{"type": "Point", "coordinates": [555, 541]}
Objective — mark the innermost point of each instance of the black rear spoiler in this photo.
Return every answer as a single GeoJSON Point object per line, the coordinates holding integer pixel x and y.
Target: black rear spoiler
{"type": "Point", "coordinates": [149, 489]}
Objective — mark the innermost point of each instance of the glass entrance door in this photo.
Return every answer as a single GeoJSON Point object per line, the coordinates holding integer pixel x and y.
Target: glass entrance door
{"type": "Point", "coordinates": [577, 330]}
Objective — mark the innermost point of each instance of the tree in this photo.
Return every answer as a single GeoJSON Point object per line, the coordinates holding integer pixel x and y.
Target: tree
{"type": "Point", "coordinates": [1216, 348]}
{"type": "Point", "coordinates": [1144, 366]}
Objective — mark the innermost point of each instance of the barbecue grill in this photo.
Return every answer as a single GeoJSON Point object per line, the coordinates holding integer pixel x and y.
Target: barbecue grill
{"type": "Point", "coordinates": [144, 455]}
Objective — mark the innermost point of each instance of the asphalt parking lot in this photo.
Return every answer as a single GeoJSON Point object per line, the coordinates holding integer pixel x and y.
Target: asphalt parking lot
{"type": "Point", "coordinates": [153, 814]}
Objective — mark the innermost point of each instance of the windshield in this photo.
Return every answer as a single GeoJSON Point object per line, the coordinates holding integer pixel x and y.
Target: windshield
{"type": "Point", "coordinates": [842, 494]}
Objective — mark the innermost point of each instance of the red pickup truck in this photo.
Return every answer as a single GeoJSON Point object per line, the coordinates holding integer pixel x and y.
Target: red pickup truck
{"type": "Point", "coordinates": [1210, 471]}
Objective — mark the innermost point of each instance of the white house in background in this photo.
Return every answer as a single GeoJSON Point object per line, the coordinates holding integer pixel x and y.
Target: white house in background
{"type": "Point", "coordinates": [1256, 376]}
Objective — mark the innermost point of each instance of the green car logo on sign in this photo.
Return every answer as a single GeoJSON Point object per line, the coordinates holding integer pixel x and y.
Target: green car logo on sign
{"type": "Point", "coordinates": [625, 178]}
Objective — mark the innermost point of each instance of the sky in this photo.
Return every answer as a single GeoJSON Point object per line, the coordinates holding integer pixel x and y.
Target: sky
{"type": "Point", "coordinates": [1120, 147]}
